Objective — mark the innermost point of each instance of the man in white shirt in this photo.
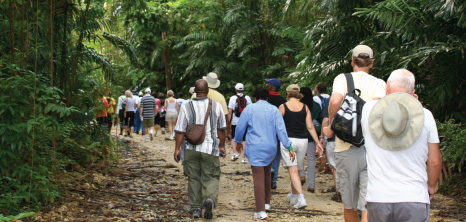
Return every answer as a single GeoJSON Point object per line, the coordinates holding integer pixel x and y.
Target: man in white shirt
{"type": "Point", "coordinates": [350, 161]}
{"type": "Point", "coordinates": [236, 103]}
{"type": "Point", "coordinates": [403, 157]}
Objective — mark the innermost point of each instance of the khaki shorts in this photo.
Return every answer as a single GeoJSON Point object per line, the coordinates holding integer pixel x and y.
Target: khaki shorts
{"type": "Point", "coordinates": [299, 148]}
{"type": "Point", "coordinates": [405, 211]}
{"type": "Point", "coordinates": [351, 166]}
{"type": "Point", "coordinates": [147, 123]}
{"type": "Point", "coordinates": [171, 116]}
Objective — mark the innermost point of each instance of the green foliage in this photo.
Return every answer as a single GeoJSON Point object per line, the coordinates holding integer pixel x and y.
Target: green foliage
{"type": "Point", "coordinates": [17, 217]}
{"type": "Point", "coordinates": [453, 144]}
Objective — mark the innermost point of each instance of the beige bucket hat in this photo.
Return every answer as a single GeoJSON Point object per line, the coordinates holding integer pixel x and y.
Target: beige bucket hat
{"type": "Point", "coordinates": [212, 80]}
{"type": "Point", "coordinates": [396, 121]}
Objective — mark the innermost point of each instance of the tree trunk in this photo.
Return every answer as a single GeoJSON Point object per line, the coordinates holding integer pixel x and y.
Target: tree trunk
{"type": "Point", "coordinates": [166, 59]}
{"type": "Point", "coordinates": [63, 47]}
{"type": "Point", "coordinates": [76, 57]}
{"type": "Point", "coordinates": [12, 31]}
{"type": "Point", "coordinates": [51, 42]}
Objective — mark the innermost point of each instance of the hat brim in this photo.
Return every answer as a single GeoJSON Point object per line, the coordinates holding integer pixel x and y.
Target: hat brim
{"type": "Point", "coordinates": [210, 84]}
{"type": "Point", "coordinates": [414, 128]}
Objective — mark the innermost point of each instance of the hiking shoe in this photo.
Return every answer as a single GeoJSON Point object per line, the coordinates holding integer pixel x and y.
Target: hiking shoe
{"type": "Point", "coordinates": [234, 157]}
{"type": "Point", "coordinates": [151, 137]}
{"type": "Point", "coordinates": [336, 197]}
{"type": "Point", "coordinates": [292, 198]}
{"type": "Point", "coordinates": [267, 207]}
{"type": "Point", "coordinates": [209, 207]}
{"type": "Point", "coordinates": [197, 212]}
{"type": "Point", "coordinates": [300, 204]}
{"type": "Point", "coordinates": [310, 190]}
{"type": "Point", "coordinates": [244, 160]}
{"type": "Point", "coordinates": [260, 215]}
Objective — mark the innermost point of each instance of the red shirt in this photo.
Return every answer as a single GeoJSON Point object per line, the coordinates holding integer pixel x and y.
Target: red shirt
{"type": "Point", "coordinates": [103, 113]}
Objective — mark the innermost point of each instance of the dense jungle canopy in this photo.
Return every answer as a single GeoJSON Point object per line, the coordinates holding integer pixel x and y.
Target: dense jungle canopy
{"type": "Point", "coordinates": [58, 56]}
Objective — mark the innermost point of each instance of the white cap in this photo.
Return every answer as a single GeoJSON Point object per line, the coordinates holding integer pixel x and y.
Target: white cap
{"type": "Point", "coordinates": [239, 87]}
{"type": "Point", "coordinates": [148, 90]}
{"type": "Point", "coordinates": [140, 93]}
{"type": "Point", "coordinates": [363, 49]}
{"type": "Point", "coordinates": [191, 90]}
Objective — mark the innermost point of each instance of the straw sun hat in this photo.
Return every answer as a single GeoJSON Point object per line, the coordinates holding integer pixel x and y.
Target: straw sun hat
{"type": "Point", "coordinates": [396, 121]}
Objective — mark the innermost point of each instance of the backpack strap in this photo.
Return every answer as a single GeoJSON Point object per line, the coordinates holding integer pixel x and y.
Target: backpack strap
{"type": "Point", "coordinates": [349, 82]}
{"type": "Point", "coordinates": [208, 111]}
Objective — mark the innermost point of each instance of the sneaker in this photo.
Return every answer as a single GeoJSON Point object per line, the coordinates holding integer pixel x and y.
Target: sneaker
{"type": "Point", "coordinates": [300, 204]}
{"type": "Point", "coordinates": [137, 132]}
{"type": "Point", "coordinates": [197, 213]}
{"type": "Point", "coordinates": [260, 215]}
{"type": "Point", "coordinates": [234, 157]}
{"type": "Point", "coordinates": [292, 198]}
{"type": "Point", "coordinates": [209, 207]}
{"type": "Point", "coordinates": [151, 137]}
{"type": "Point", "coordinates": [244, 160]}
{"type": "Point", "coordinates": [267, 207]}
{"type": "Point", "coordinates": [146, 140]}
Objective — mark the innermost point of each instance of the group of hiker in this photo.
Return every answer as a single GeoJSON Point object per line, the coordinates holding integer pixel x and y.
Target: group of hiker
{"type": "Point", "coordinates": [381, 144]}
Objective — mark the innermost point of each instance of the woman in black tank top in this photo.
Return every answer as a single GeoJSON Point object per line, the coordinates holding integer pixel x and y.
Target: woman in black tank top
{"type": "Point", "coordinates": [298, 119]}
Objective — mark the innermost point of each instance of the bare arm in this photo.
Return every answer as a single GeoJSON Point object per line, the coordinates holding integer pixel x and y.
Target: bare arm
{"type": "Point", "coordinates": [179, 140]}
{"type": "Point", "coordinates": [229, 116]}
{"type": "Point", "coordinates": [334, 105]}
{"type": "Point", "coordinates": [221, 137]}
{"type": "Point", "coordinates": [281, 108]}
{"type": "Point", "coordinates": [165, 104]}
{"type": "Point", "coordinates": [434, 166]}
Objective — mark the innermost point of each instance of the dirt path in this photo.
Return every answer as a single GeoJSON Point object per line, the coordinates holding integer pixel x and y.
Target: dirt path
{"type": "Point", "coordinates": [146, 184]}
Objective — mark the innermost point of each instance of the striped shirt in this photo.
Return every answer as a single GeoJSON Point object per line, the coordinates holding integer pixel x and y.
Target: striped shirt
{"type": "Point", "coordinates": [193, 112]}
{"type": "Point", "coordinates": [148, 105]}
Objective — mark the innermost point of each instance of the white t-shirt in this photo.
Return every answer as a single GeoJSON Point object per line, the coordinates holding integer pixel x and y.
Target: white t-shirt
{"type": "Point", "coordinates": [137, 100]}
{"type": "Point", "coordinates": [398, 176]}
{"type": "Point", "coordinates": [370, 86]}
{"type": "Point", "coordinates": [232, 104]}
{"type": "Point", "coordinates": [121, 99]}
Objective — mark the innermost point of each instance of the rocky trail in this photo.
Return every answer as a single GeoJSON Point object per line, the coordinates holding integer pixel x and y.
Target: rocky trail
{"type": "Point", "coordinates": [146, 184]}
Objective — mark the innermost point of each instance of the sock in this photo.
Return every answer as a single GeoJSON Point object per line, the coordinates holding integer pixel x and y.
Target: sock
{"type": "Point", "coordinates": [151, 132]}
{"type": "Point", "coordinates": [300, 196]}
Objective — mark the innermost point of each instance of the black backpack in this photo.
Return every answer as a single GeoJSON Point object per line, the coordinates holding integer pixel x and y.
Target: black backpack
{"type": "Point", "coordinates": [240, 105]}
{"type": "Point", "coordinates": [347, 122]}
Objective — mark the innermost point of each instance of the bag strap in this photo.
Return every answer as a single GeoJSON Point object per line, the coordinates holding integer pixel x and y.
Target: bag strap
{"type": "Point", "coordinates": [208, 111]}
{"type": "Point", "coordinates": [349, 82]}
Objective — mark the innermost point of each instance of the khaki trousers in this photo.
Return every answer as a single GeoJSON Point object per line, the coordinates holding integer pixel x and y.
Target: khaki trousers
{"type": "Point", "coordinates": [203, 172]}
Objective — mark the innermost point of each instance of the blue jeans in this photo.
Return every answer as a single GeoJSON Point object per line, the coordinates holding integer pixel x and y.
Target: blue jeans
{"type": "Point", "coordinates": [137, 121]}
{"type": "Point", "coordinates": [276, 165]}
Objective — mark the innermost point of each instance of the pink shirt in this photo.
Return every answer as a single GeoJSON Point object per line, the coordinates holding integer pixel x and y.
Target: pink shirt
{"type": "Point", "coordinates": [158, 102]}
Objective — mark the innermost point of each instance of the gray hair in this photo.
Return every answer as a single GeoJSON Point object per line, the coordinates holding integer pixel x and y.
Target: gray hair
{"type": "Point", "coordinates": [402, 78]}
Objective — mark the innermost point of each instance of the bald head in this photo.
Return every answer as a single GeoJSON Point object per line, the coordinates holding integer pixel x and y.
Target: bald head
{"type": "Point", "coordinates": [201, 88]}
{"type": "Point", "coordinates": [401, 80]}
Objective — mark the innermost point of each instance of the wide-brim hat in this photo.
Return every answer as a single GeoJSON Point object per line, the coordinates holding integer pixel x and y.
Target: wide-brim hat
{"type": "Point", "coordinates": [396, 121]}
{"type": "Point", "coordinates": [212, 80]}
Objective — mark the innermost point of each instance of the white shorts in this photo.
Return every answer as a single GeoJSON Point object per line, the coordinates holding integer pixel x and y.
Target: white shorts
{"type": "Point", "coordinates": [171, 116]}
{"type": "Point", "coordinates": [299, 148]}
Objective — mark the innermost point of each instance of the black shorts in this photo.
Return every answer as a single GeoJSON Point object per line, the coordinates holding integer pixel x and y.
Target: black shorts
{"type": "Point", "coordinates": [157, 119]}
{"type": "Point", "coordinates": [129, 120]}
{"type": "Point", "coordinates": [233, 129]}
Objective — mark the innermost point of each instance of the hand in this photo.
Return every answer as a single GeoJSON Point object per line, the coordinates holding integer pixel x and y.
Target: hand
{"type": "Point", "coordinates": [320, 149]}
{"type": "Point", "coordinates": [431, 191]}
{"type": "Point", "coordinates": [239, 147]}
{"type": "Point", "coordinates": [292, 156]}
{"type": "Point", "coordinates": [322, 140]}
{"type": "Point", "coordinates": [222, 150]}
{"type": "Point", "coordinates": [140, 116]}
{"type": "Point", "coordinates": [328, 131]}
{"type": "Point", "coordinates": [176, 154]}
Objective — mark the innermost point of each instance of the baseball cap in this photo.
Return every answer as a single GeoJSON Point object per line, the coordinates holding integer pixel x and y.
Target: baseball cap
{"type": "Point", "coordinates": [148, 90]}
{"type": "Point", "coordinates": [140, 93]}
{"type": "Point", "coordinates": [360, 49]}
{"type": "Point", "coordinates": [239, 87]}
{"type": "Point", "coordinates": [292, 88]}
{"type": "Point", "coordinates": [275, 82]}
